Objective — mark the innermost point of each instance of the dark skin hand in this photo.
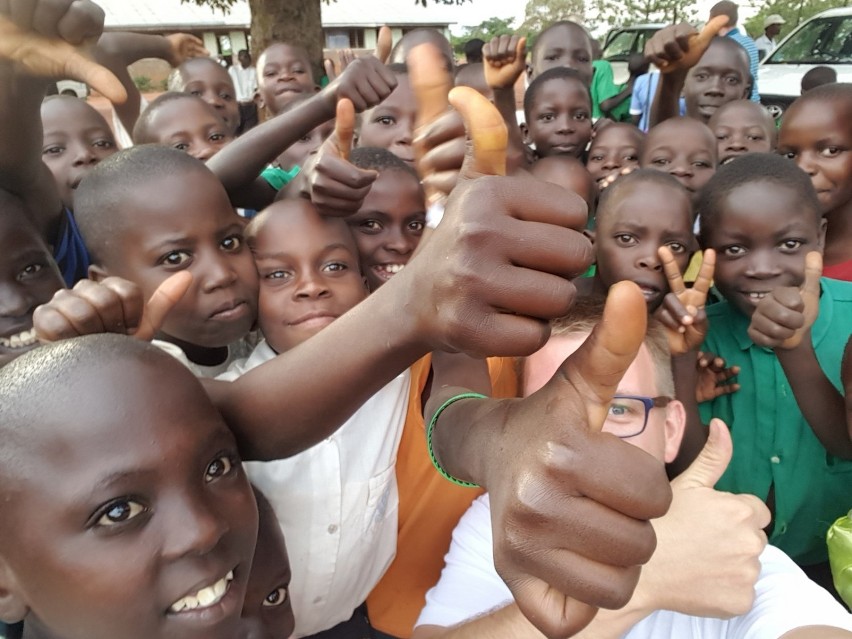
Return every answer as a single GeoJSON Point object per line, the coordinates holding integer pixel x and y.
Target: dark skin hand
{"type": "Point", "coordinates": [675, 50]}
{"type": "Point", "coordinates": [326, 178]}
{"type": "Point", "coordinates": [570, 505]}
{"type": "Point", "coordinates": [504, 61]}
{"type": "Point", "coordinates": [782, 321]}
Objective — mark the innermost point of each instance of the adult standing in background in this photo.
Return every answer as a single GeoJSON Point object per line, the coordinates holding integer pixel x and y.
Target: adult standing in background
{"type": "Point", "coordinates": [244, 76]}
{"type": "Point", "coordinates": [731, 10]}
{"type": "Point", "coordinates": [771, 29]}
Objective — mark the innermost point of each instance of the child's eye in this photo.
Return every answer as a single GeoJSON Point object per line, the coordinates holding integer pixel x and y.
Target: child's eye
{"type": "Point", "coordinates": [755, 138]}
{"type": "Point", "coordinates": [733, 251]}
{"type": "Point", "coordinates": [701, 77]}
{"type": "Point", "coordinates": [103, 144]}
{"type": "Point", "coordinates": [546, 117]}
{"type": "Point", "coordinates": [371, 225]}
{"type": "Point", "coordinates": [416, 226]}
{"type": "Point", "coordinates": [278, 274]}
{"type": "Point", "coordinates": [53, 150]}
{"type": "Point", "coordinates": [227, 97]}
{"type": "Point", "coordinates": [197, 92]}
{"type": "Point", "coordinates": [232, 243]}
{"type": "Point", "coordinates": [596, 158]}
{"type": "Point", "coordinates": [722, 136]}
{"type": "Point", "coordinates": [336, 267]}
{"type": "Point", "coordinates": [219, 467]}
{"type": "Point", "coordinates": [175, 258]}
{"type": "Point", "coordinates": [790, 155]}
{"type": "Point", "coordinates": [631, 158]}
{"type": "Point", "coordinates": [676, 247]}
{"type": "Point", "coordinates": [830, 151]}
{"type": "Point", "coordinates": [791, 245]}
{"type": "Point", "coordinates": [181, 146]}
{"type": "Point", "coordinates": [581, 116]}
{"type": "Point", "coordinates": [701, 164]}
{"type": "Point", "coordinates": [276, 597]}
{"type": "Point", "coordinates": [732, 80]}
{"type": "Point", "coordinates": [119, 512]}
{"type": "Point", "coordinates": [217, 137]}
{"type": "Point", "coordinates": [660, 161]}
{"type": "Point", "coordinates": [29, 271]}
{"type": "Point", "coordinates": [625, 239]}
{"type": "Point", "coordinates": [385, 120]}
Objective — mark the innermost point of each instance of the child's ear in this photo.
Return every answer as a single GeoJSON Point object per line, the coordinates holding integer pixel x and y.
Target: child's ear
{"type": "Point", "coordinates": [12, 607]}
{"type": "Point", "coordinates": [258, 100]}
{"type": "Point", "coordinates": [525, 131]}
{"type": "Point", "coordinates": [97, 273]}
{"type": "Point", "coordinates": [823, 225]}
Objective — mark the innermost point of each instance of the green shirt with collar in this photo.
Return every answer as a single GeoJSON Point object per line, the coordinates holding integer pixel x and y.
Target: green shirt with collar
{"type": "Point", "coordinates": [773, 444]}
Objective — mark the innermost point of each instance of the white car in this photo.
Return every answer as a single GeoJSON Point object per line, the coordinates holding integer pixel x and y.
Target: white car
{"type": "Point", "coordinates": [621, 42]}
{"type": "Point", "coordinates": [824, 40]}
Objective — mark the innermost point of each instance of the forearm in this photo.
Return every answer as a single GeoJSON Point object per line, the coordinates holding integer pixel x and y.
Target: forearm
{"type": "Point", "coordinates": [240, 162]}
{"type": "Point", "coordinates": [685, 371]}
{"type": "Point", "coordinates": [609, 104]}
{"type": "Point", "coordinates": [666, 102]}
{"type": "Point", "coordinates": [822, 406]}
{"type": "Point", "coordinates": [22, 172]}
{"type": "Point", "coordinates": [116, 51]}
{"type": "Point", "coordinates": [504, 100]}
{"type": "Point", "coordinates": [302, 396]}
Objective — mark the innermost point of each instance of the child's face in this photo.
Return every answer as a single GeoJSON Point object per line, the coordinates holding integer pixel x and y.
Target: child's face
{"type": "Point", "coordinates": [742, 127]}
{"type": "Point", "coordinates": [390, 124]}
{"type": "Point", "coordinates": [185, 222]}
{"type": "Point", "coordinates": [685, 149]}
{"type": "Point", "coordinates": [191, 127]}
{"type": "Point", "coordinates": [560, 121]}
{"type": "Point", "coordinates": [721, 76]}
{"type": "Point", "coordinates": [761, 234]}
{"type": "Point", "coordinates": [283, 74]}
{"type": "Point", "coordinates": [564, 46]}
{"type": "Point", "coordinates": [76, 138]}
{"type": "Point", "coordinates": [268, 611]}
{"type": "Point", "coordinates": [309, 275]}
{"type": "Point", "coordinates": [631, 232]}
{"type": "Point", "coordinates": [28, 277]}
{"type": "Point", "coordinates": [615, 147]}
{"type": "Point", "coordinates": [388, 227]}
{"type": "Point", "coordinates": [296, 154]}
{"type": "Point", "coordinates": [132, 527]}
{"type": "Point", "coordinates": [210, 82]}
{"type": "Point", "coordinates": [818, 137]}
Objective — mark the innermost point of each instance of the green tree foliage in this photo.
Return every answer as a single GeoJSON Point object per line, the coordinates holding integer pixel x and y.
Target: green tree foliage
{"type": "Point", "coordinates": [540, 13]}
{"type": "Point", "coordinates": [793, 11]}
{"type": "Point", "coordinates": [627, 12]}
{"type": "Point", "coordinates": [485, 31]}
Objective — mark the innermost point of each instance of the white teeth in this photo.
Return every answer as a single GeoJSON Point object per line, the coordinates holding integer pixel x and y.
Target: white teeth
{"type": "Point", "coordinates": [756, 296]}
{"type": "Point", "coordinates": [205, 597]}
{"type": "Point", "coordinates": [21, 340]}
{"type": "Point", "coordinates": [393, 269]}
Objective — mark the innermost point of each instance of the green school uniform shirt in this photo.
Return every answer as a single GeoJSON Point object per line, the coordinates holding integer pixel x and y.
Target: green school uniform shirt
{"type": "Point", "coordinates": [277, 177]}
{"type": "Point", "coordinates": [773, 444]}
{"type": "Point", "coordinates": [603, 87]}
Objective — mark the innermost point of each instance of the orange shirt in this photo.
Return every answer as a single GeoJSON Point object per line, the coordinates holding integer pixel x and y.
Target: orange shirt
{"type": "Point", "coordinates": [429, 509]}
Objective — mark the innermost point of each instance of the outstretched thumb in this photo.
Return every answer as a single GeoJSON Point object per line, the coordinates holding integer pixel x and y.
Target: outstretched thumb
{"type": "Point", "coordinates": [164, 299]}
{"type": "Point", "coordinates": [596, 368]}
{"type": "Point", "coordinates": [81, 68]}
{"type": "Point", "coordinates": [344, 127]}
{"type": "Point", "coordinates": [711, 462]}
{"type": "Point", "coordinates": [810, 297]}
{"type": "Point", "coordinates": [702, 39]}
{"type": "Point", "coordinates": [487, 136]}
{"type": "Point", "coordinates": [384, 44]}
{"type": "Point", "coordinates": [430, 81]}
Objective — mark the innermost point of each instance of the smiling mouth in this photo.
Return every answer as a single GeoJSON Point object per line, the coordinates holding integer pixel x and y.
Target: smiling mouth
{"type": "Point", "coordinates": [204, 598]}
{"type": "Point", "coordinates": [755, 296]}
{"type": "Point", "coordinates": [387, 271]}
{"type": "Point", "coordinates": [229, 312]}
{"type": "Point", "coordinates": [649, 292]}
{"type": "Point", "coordinates": [730, 158]}
{"type": "Point", "coordinates": [22, 340]}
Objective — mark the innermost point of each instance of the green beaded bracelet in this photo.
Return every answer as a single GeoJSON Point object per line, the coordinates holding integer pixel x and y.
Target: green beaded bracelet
{"type": "Point", "coordinates": [431, 428]}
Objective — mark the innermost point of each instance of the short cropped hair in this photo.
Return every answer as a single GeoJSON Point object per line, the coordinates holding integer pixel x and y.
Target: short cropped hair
{"type": "Point", "coordinates": [100, 200]}
{"type": "Point", "coordinates": [818, 76]}
{"type": "Point", "coordinates": [373, 158]}
{"type": "Point", "coordinates": [473, 50]}
{"type": "Point", "coordinates": [556, 73]}
{"type": "Point", "coordinates": [751, 168]}
{"type": "Point", "coordinates": [561, 23]}
{"type": "Point", "coordinates": [728, 9]}
{"type": "Point", "coordinates": [142, 133]}
{"type": "Point", "coordinates": [635, 179]}
{"type": "Point", "coordinates": [835, 91]}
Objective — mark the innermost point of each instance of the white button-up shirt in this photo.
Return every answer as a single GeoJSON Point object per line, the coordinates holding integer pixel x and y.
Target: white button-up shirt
{"type": "Point", "coordinates": [337, 504]}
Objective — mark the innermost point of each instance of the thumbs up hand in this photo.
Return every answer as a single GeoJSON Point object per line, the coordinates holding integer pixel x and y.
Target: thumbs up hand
{"type": "Point", "coordinates": [785, 315]}
{"type": "Point", "coordinates": [114, 305]}
{"type": "Point", "coordinates": [709, 538]}
{"type": "Point", "coordinates": [679, 47]}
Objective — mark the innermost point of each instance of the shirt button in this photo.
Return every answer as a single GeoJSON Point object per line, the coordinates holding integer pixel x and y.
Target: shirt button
{"type": "Point", "coordinates": [775, 459]}
{"type": "Point", "coordinates": [332, 529]}
{"type": "Point", "coordinates": [782, 528]}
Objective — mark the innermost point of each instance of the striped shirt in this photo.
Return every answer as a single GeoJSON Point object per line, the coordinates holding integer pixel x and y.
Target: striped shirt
{"type": "Point", "coordinates": [754, 57]}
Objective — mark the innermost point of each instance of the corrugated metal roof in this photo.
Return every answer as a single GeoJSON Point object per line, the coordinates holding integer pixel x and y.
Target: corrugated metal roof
{"type": "Point", "coordinates": [170, 14]}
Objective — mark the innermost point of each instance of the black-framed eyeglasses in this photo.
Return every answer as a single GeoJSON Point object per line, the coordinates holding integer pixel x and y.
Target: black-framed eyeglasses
{"type": "Point", "coordinates": [627, 415]}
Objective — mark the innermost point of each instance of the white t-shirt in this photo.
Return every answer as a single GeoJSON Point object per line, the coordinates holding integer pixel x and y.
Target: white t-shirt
{"type": "Point", "coordinates": [337, 504]}
{"type": "Point", "coordinates": [245, 82]}
{"type": "Point", "coordinates": [785, 598]}
{"type": "Point", "coordinates": [237, 351]}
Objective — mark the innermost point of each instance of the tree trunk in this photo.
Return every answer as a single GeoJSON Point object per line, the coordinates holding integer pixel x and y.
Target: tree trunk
{"type": "Point", "coordinates": [292, 21]}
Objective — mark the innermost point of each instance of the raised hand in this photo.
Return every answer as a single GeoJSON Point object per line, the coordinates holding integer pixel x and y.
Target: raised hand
{"type": "Point", "coordinates": [365, 82]}
{"type": "Point", "coordinates": [682, 311]}
{"type": "Point", "coordinates": [335, 186]}
{"type": "Point", "coordinates": [707, 535]}
{"type": "Point", "coordinates": [384, 44]}
{"type": "Point", "coordinates": [504, 61]}
{"type": "Point", "coordinates": [55, 58]}
{"type": "Point", "coordinates": [786, 314]}
{"type": "Point", "coordinates": [714, 377]}
{"type": "Point", "coordinates": [571, 505]}
{"type": "Point", "coordinates": [488, 136]}
{"type": "Point", "coordinates": [113, 305]}
{"type": "Point", "coordinates": [183, 47]}
{"type": "Point", "coordinates": [680, 47]}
